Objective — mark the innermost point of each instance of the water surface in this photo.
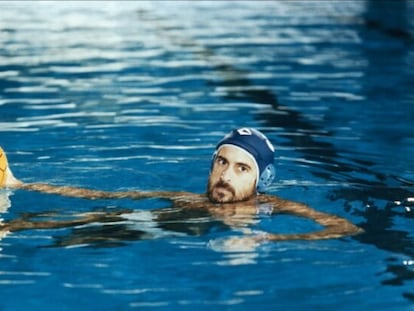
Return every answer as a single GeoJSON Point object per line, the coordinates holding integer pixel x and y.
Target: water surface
{"type": "Point", "coordinates": [135, 95]}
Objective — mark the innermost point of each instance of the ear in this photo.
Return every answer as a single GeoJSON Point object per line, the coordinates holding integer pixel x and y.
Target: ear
{"type": "Point", "coordinates": [266, 178]}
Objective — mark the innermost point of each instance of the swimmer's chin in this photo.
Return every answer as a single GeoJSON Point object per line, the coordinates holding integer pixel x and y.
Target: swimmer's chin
{"type": "Point", "coordinates": [223, 199]}
{"type": "Point", "coordinates": [220, 201]}
{"type": "Point", "coordinates": [220, 197]}
{"type": "Point", "coordinates": [216, 199]}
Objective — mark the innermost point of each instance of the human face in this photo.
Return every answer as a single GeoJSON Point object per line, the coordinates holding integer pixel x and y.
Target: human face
{"type": "Point", "coordinates": [233, 176]}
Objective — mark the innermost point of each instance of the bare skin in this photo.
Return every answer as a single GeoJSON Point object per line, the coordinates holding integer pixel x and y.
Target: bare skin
{"type": "Point", "coordinates": [231, 197]}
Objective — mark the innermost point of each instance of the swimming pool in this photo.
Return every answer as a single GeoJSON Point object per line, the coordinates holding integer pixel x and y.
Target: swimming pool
{"type": "Point", "coordinates": [126, 95]}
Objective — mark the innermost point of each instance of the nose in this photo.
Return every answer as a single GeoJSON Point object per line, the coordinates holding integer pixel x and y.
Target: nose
{"type": "Point", "coordinates": [226, 175]}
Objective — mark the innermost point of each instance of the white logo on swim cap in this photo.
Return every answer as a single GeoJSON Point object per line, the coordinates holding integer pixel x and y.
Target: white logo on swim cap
{"type": "Point", "coordinates": [244, 131]}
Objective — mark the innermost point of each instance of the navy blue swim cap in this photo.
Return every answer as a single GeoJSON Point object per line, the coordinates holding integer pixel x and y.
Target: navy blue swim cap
{"type": "Point", "coordinates": [257, 145]}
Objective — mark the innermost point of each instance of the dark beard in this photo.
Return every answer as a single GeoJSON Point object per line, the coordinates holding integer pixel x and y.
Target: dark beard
{"type": "Point", "coordinates": [221, 184]}
{"type": "Point", "coordinates": [229, 188]}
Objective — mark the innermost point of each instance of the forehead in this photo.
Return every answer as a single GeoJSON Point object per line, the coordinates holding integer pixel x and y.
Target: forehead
{"type": "Point", "coordinates": [237, 155]}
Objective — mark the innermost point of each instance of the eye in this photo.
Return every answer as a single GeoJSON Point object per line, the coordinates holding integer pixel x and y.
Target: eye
{"type": "Point", "coordinates": [221, 161]}
{"type": "Point", "coordinates": [244, 169]}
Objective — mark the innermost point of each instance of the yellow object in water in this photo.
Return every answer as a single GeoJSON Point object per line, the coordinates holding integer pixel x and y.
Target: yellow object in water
{"type": "Point", "coordinates": [3, 168]}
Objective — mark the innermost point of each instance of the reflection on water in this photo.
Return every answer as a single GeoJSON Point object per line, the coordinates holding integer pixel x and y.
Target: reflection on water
{"type": "Point", "coordinates": [146, 90]}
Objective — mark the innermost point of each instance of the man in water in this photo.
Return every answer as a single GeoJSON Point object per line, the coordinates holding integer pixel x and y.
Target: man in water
{"type": "Point", "coordinates": [241, 171]}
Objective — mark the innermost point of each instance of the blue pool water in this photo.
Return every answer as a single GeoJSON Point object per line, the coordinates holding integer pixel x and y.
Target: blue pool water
{"type": "Point", "coordinates": [134, 95]}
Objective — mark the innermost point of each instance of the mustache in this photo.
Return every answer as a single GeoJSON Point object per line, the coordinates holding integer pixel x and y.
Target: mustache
{"type": "Point", "coordinates": [227, 186]}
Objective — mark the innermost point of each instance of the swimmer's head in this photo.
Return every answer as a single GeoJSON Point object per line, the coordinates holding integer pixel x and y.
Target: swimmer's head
{"type": "Point", "coordinates": [252, 148]}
